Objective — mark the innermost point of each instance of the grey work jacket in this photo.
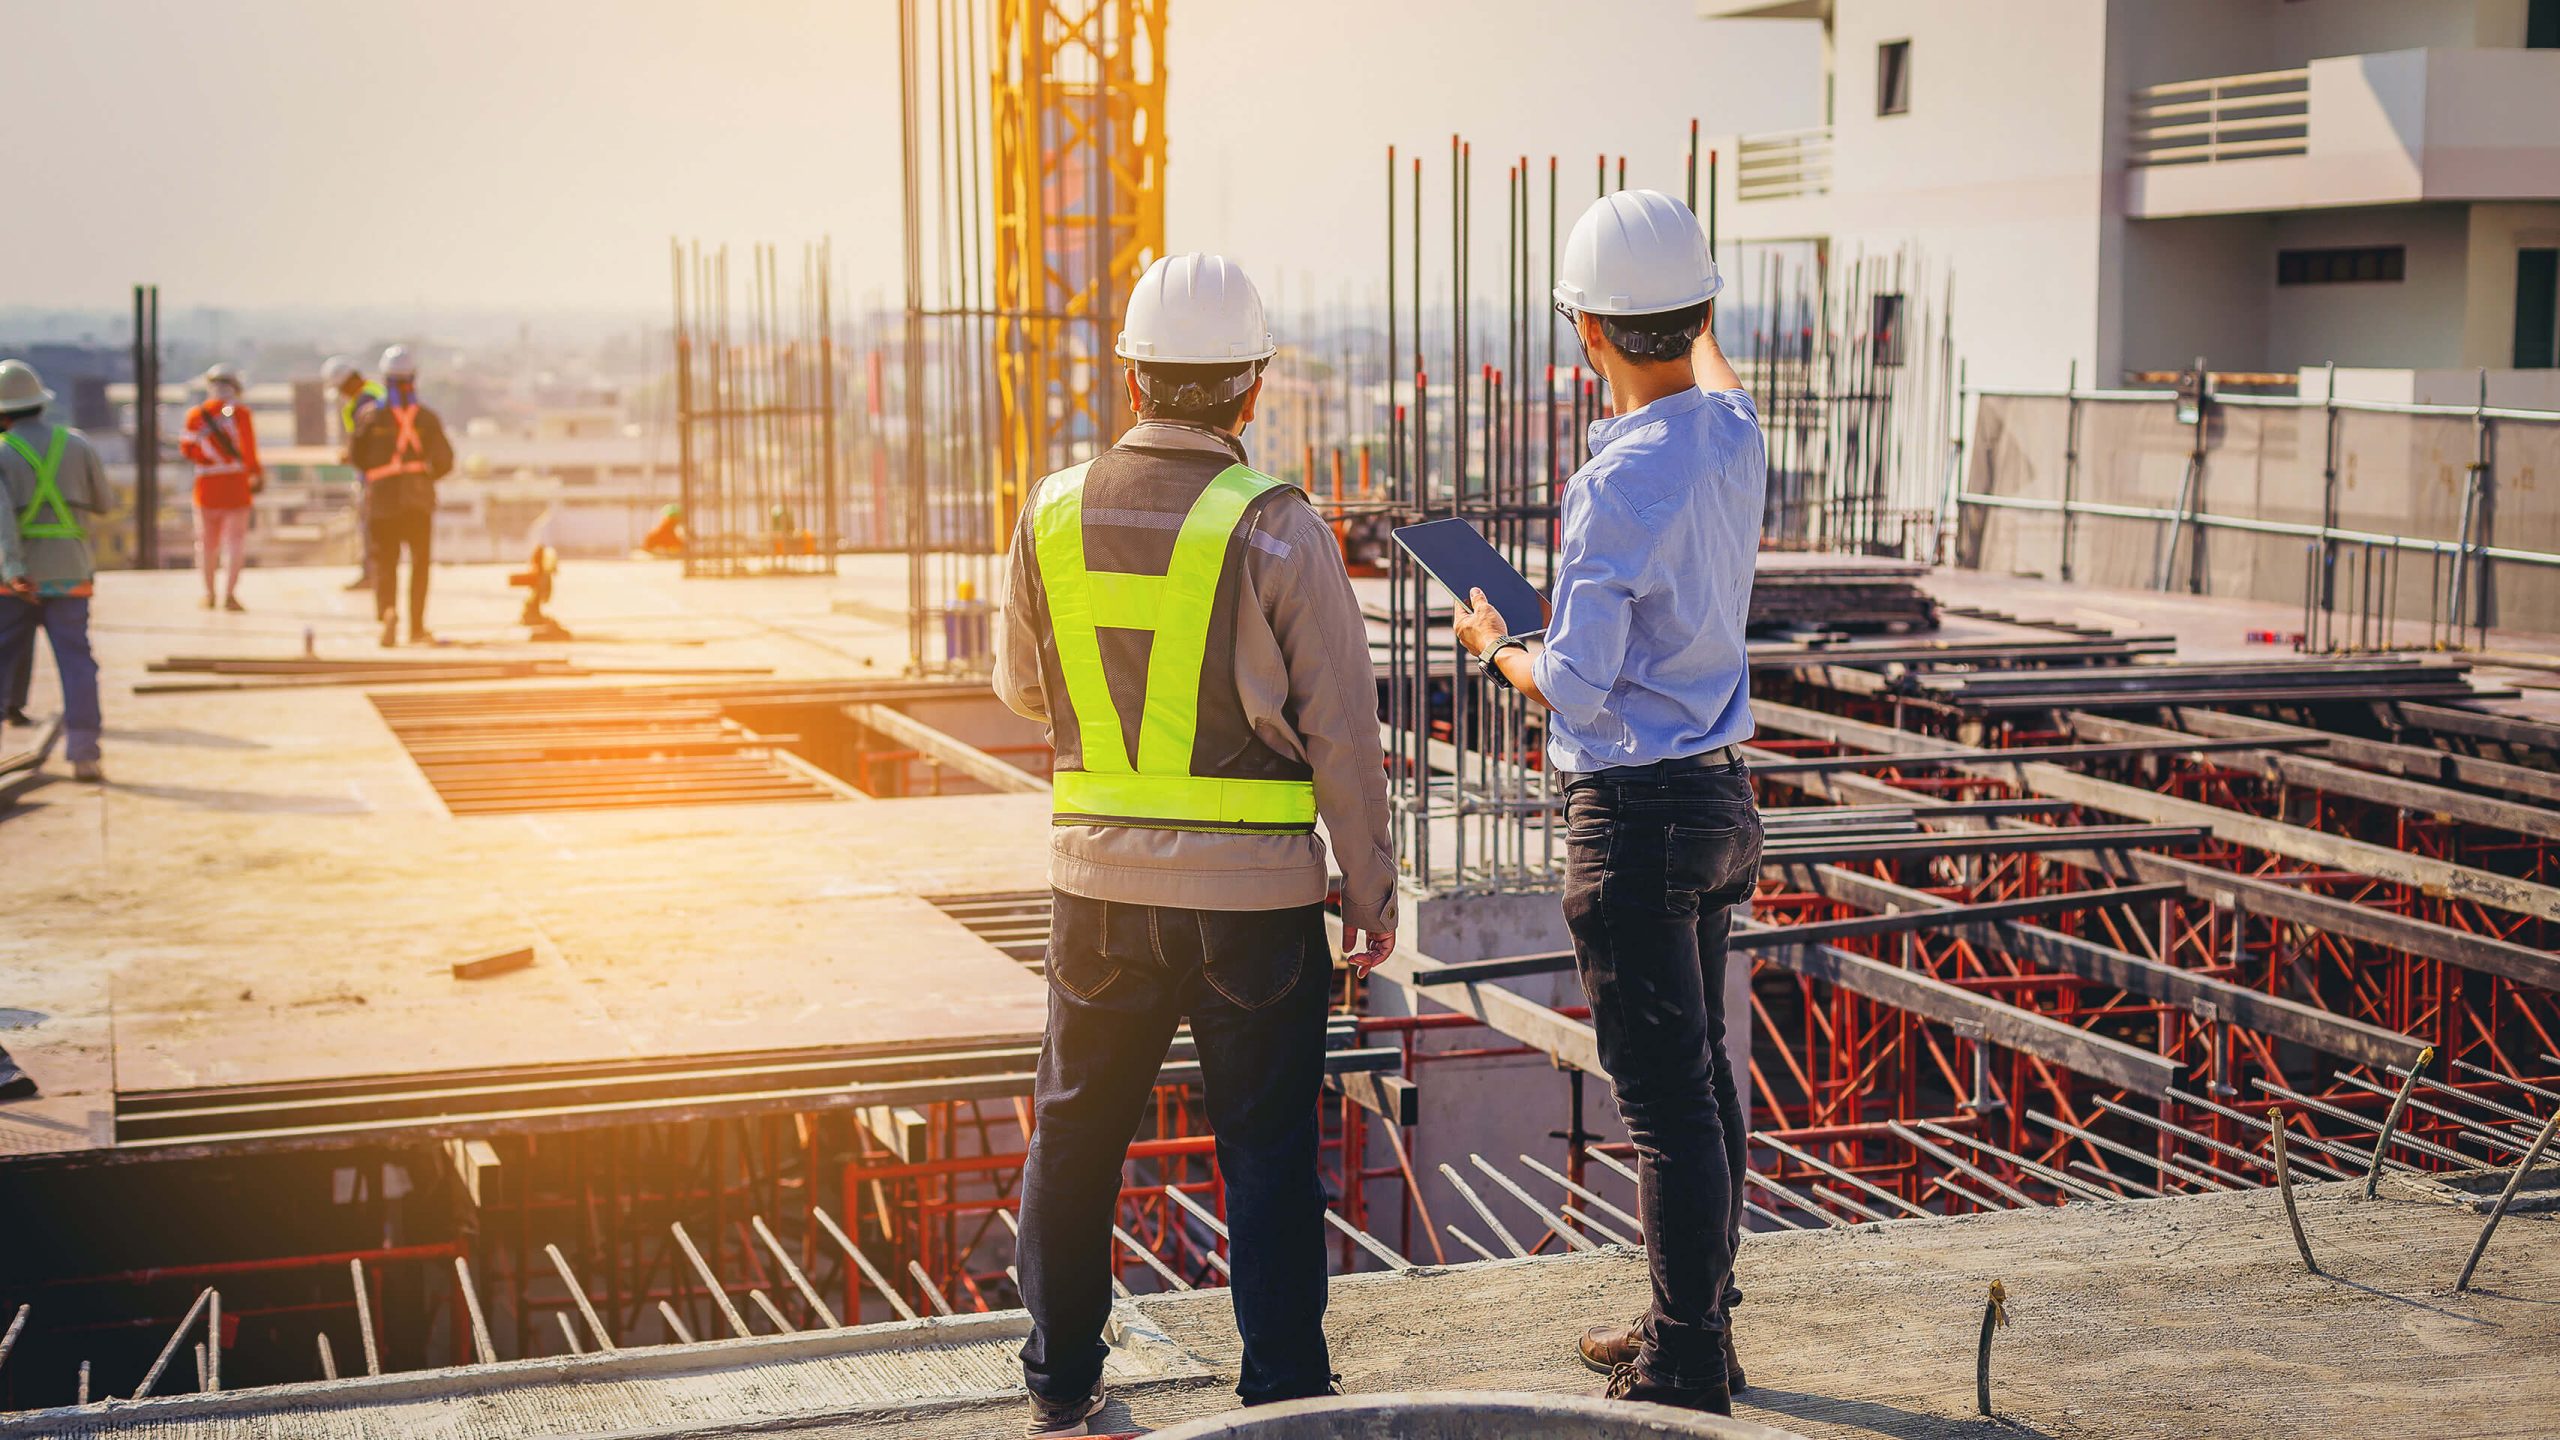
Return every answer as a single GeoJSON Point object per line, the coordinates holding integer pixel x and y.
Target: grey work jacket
{"type": "Point", "coordinates": [1306, 684]}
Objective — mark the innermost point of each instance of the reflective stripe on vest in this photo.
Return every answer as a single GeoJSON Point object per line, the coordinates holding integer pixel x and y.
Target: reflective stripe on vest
{"type": "Point", "coordinates": [408, 453]}
{"type": "Point", "coordinates": [1155, 788]}
{"type": "Point", "coordinates": [62, 526]}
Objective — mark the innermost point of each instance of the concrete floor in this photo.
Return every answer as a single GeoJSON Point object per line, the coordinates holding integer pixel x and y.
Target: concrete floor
{"type": "Point", "coordinates": [269, 890]}
{"type": "Point", "coordinates": [2188, 1317]}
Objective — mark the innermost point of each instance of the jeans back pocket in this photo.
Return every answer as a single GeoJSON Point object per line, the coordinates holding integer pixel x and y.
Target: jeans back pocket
{"type": "Point", "coordinates": [1253, 957]}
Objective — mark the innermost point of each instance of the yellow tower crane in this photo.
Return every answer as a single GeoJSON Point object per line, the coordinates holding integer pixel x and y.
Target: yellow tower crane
{"type": "Point", "coordinates": [1077, 107]}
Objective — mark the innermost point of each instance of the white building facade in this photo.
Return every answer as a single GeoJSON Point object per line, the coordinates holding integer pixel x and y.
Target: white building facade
{"type": "Point", "coordinates": [2122, 186]}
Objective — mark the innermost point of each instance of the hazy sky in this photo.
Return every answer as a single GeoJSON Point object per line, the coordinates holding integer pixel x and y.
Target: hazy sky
{"type": "Point", "coordinates": [539, 153]}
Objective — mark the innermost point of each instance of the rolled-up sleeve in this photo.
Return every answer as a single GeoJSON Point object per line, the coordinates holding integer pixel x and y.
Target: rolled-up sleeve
{"type": "Point", "coordinates": [1587, 638]}
{"type": "Point", "coordinates": [1017, 677]}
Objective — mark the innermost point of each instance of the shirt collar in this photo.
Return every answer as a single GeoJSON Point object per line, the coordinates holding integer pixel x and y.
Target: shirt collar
{"type": "Point", "coordinates": [1177, 436]}
{"type": "Point", "coordinates": [1611, 427]}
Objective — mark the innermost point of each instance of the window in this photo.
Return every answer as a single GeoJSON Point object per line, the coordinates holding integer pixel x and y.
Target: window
{"type": "Point", "coordinates": [1886, 331]}
{"type": "Point", "coordinates": [2346, 265]}
{"type": "Point", "coordinates": [2542, 25]}
{"type": "Point", "coordinates": [2537, 309]}
{"type": "Point", "coordinates": [1893, 77]}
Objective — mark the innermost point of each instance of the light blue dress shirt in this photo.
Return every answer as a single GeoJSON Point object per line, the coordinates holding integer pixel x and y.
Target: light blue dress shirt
{"type": "Point", "coordinates": [1644, 658]}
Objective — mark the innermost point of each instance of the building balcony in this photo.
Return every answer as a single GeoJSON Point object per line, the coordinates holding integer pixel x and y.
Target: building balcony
{"type": "Point", "coordinates": [2395, 128]}
{"type": "Point", "coordinates": [1782, 165]}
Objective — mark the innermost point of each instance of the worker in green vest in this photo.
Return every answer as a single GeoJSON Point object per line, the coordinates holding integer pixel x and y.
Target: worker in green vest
{"type": "Point", "coordinates": [1184, 627]}
{"type": "Point", "coordinates": [357, 399]}
{"type": "Point", "coordinates": [54, 487]}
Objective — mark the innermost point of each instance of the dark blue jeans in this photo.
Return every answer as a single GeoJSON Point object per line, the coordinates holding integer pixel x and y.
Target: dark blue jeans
{"type": "Point", "coordinates": [64, 619]}
{"type": "Point", "coordinates": [1255, 985]}
{"type": "Point", "coordinates": [1653, 868]}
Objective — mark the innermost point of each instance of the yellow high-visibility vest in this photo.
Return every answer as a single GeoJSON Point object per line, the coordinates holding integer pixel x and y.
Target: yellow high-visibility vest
{"type": "Point", "coordinates": [1153, 788]}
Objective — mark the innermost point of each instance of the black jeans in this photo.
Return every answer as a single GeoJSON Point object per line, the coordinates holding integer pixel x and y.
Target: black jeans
{"type": "Point", "coordinates": [1653, 868]}
{"type": "Point", "coordinates": [393, 521]}
{"type": "Point", "coordinates": [1255, 985]}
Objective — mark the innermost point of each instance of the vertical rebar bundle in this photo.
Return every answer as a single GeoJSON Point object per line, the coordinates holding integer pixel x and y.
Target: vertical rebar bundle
{"type": "Point", "coordinates": [756, 405]}
{"type": "Point", "coordinates": [1850, 363]}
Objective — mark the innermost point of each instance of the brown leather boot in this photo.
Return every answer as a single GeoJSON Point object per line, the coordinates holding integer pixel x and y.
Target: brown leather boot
{"type": "Point", "coordinates": [1629, 1383]}
{"type": "Point", "coordinates": [1606, 1347]}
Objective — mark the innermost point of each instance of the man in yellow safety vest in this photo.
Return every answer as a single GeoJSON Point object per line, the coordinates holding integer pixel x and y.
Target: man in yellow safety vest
{"type": "Point", "coordinates": [49, 480]}
{"type": "Point", "coordinates": [1184, 627]}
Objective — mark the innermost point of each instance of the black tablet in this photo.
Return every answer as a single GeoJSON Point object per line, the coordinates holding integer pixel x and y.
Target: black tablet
{"type": "Point", "coordinates": [1459, 558]}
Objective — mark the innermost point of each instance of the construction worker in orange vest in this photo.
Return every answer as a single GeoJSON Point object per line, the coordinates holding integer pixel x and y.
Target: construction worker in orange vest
{"type": "Point", "coordinates": [402, 452]}
{"type": "Point", "coordinates": [223, 442]}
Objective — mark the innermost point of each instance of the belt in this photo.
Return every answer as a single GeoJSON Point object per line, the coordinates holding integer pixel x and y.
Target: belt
{"type": "Point", "coordinates": [1723, 757]}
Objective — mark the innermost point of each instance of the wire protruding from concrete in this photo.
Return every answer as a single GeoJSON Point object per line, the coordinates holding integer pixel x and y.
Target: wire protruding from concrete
{"type": "Point", "coordinates": [2391, 1121]}
{"type": "Point", "coordinates": [2506, 1197]}
{"type": "Point", "coordinates": [791, 1270]}
{"type": "Point", "coordinates": [177, 1337]}
{"type": "Point", "coordinates": [578, 1296]}
{"type": "Point", "coordinates": [364, 1318]}
{"type": "Point", "coordinates": [710, 1282]}
{"type": "Point", "coordinates": [1995, 1313]}
{"type": "Point", "coordinates": [486, 1352]}
{"type": "Point", "coordinates": [2276, 1123]}
{"type": "Point", "coordinates": [869, 1271]}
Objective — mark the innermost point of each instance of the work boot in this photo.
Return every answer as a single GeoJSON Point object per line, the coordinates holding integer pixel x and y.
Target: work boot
{"type": "Point", "coordinates": [1050, 1417]}
{"type": "Point", "coordinates": [15, 1084]}
{"type": "Point", "coordinates": [1629, 1383]}
{"type": "Point", "coordinates": [1606, 1347]}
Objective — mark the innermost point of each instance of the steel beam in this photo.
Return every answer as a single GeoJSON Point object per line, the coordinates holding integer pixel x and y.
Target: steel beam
{"type": "Point", "coordinates": [2278, 901]}
{"type": "Point", "coordinates": [2274, 836]}
{"type": "Point", "coordinates": [2322, 1030]}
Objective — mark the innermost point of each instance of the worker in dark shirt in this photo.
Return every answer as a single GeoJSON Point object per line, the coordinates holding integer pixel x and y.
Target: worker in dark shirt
{"type": "Point", "coordinates": [402, 452]}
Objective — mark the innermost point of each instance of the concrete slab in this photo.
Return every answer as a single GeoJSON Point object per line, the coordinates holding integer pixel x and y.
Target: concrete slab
{"type": "Point", "coordinates": [2189, 1317]}
{"type": "Point", "coordinates": [268, 891]}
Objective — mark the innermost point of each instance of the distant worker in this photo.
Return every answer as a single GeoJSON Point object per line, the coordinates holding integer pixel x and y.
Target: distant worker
{"type": "Point", "coordinates": [1184, 627]}
{"type": "Point", "coordinates": [50, 479]}
{"type": "Point", "coordinates": [1645, 682]}
{"type": "Point", "coordinates": [357, 398]}
{"type": "Point", "coordinates": [666, 538]}
{"type": "Point", "coordinates": [17, 672]}
{"type": "Point", "coordinates": [402, 452]}
{"type": "Point", "coordinates": [222, 440]}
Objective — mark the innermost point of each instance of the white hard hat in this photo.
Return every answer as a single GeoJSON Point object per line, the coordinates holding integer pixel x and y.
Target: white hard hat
{"type": "Point", "coordinates": [1638, 252]}
{"type": "Point", "coordinates": [398, 361]}
{"type": "Point", "coordinates": [335, 371]}
{"type": "Point", "coordinates": [21, 389]}
{"type": "Point", "coordinates": [219, 373]}
{"type": "Point", "coordinates": [1195, 310]}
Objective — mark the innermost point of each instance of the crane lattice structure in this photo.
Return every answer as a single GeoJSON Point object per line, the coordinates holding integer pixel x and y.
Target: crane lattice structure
{"type": "Point", "coordinates": [1077, 104]}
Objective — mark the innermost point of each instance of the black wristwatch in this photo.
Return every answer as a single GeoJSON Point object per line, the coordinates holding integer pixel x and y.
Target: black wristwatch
{"type": "Point", "coordinates": [1493, 653]}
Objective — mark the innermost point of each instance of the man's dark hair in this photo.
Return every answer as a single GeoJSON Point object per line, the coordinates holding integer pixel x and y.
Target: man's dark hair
{"type": "Point", "coordinates": [1211, 395]}
{"type": "Point", "coordinates": [1653, 339]}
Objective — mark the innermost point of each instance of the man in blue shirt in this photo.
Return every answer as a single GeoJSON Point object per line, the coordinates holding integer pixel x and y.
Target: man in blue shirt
{"type": "Point", "coordinates": [1647, 694]}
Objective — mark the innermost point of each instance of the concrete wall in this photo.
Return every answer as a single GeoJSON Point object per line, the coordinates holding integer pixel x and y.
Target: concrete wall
{"type": "Point", "coordinates": [2193, 287]}
{"type": "Point", "coordinates": [2489, 313]}
{"type": "Point", "coordinates": [2416, 322]}
{"type": "Point", "coordinates": [2206, 285]}
{"type": "Point", "coordinates": [1994, 174]}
